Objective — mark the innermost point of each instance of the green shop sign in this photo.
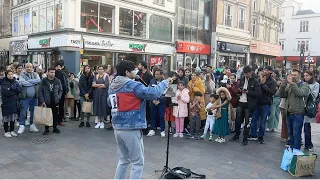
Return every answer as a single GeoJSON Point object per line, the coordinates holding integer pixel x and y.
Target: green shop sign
{"type": "Point", "coordinates": [45, 42]}
{"type": "Point", "coordinates": [138, 47]}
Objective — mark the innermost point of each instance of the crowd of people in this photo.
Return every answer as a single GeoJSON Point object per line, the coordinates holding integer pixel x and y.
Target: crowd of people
{"type": "Point", "coordinates": [209, 103]}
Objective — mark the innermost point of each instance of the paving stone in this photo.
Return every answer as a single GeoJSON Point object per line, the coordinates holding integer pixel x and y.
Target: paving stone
{"type": "Point", "coordinates": [10, 175]}
{"type": "Point", "coordinates": [25, 174]}
{"type": "Point", "coordinates": [15, 167]}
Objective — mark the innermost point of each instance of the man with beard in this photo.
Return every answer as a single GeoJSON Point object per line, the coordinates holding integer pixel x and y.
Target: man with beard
{"type": "Point", "coordinates": [250, 93]}
{"type": "Point", "coordinates": [269, 88]}
{"type": "Point", "coordinates": [295, 91]}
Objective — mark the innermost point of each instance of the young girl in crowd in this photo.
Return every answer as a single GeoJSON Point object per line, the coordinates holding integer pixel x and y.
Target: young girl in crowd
{"type": "Point", "coordinates": [224, 112]}
{"type": "Point", "coordinates": [181, 111]}
{"type": "Point", "coordinates": [211, 113]}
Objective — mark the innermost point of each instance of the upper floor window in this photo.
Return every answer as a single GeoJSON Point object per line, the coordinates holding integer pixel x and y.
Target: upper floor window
{"type": "Point", "coordinates": [281, 27]}
{"type": "Point", "coordinates": [161, 2]}
{"type": "Point", "coordinates": [160, 28]}
{"type": "Point", "coordinates": [268, 7]}
{"type": "Point", "coordinates": [242, 18]}
{"type": "Point", "coordinates": [94, 20]}
{"type": "Point", "coordinates": [254, 28]}
{"type": "Point", "coordinates": [282, 45]}
{"type": "Point", "coordinates": [304, 26]}
{"type": "Point", "coordinates": [301, 44]}
{"type": "Point", "coordinates": [254, 5]}
{"type": "Point", "coordinates": [21, 23]}
{"type": "Point", "coordinates": [228, 15]}
{"type": "Point", "coordinates": [132, 23]}
{"type": "Point", "coordinates": [283, 13]}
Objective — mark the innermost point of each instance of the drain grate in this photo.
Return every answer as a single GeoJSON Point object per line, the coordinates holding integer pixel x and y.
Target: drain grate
{"type": "Point", "coordinates": [42, 140]}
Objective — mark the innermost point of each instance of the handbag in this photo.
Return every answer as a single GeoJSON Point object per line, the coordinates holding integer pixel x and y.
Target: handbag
{"type": "Point", "coordinates": [43, 116]}
{"type": "Point", "coordinates": [86, 107]}
{"type": "Point", "coordinates": [183, 173]}
{"type": "Point", "coordinates": [303, 165]}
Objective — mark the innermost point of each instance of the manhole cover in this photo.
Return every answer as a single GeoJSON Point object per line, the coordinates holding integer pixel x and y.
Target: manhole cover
{"type": "Point", "coordinates": [42, 140]}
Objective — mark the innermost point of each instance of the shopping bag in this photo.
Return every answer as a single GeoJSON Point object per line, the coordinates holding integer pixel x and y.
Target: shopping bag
{"type": "Point", "coordinates": [303, 165]}
{"type": "Point", "coordinates": [287, 157]}
{"type": "Point", "coordinates": [43, 116]}
{"type": "Point", "coordinates": [86, 107]}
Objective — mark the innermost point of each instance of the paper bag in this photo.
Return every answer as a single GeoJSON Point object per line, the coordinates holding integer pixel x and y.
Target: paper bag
{"type": "Point", "coordinates": [86, 107]}
{"type": "Point", "coordinates": [43, 116]}
{"type": "Point", "coordinates": [303, 165]}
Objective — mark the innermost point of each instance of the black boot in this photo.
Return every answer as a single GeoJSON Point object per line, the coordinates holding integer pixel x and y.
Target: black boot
{"type": "Point", "coordinates": [81, 125]}
{"type": "Point", "coordinates": [245, 141]}
{"type": "Point", "coordinates": [88, 124]}
{"type": "Point", "coordinates": [260, 140]}
{"type": "Point", "coordinates": [46, 132]}
{"type": "Point", "coordinates": [235, 138]}
{"type": "Point", "coordinates": [56, 130]}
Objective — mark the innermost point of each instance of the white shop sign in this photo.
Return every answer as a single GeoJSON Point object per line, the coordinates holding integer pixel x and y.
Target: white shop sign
{"type": "Point", "coordinates": [92, 42]}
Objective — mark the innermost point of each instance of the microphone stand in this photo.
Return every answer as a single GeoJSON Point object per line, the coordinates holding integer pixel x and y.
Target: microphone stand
{"type": "Point", "coordinates": [166, 168]}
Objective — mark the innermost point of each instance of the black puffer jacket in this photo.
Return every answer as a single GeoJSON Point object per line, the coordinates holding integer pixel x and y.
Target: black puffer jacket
{"type": "Point", "coordinates": [85, 85]}
{"type": "Point", "coordinates": [254, 92]}
{"type": "Point", "coordinates": [268, 90]}
{"type": "Point", "coordinates": [10, 90]}
{"type": "Point", "coordinates": [44, 91]}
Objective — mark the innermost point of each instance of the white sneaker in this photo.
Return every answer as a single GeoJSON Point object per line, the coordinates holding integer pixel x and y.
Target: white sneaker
{"type": "Point", "coordinates": [17, 124]}
{"type": "Point", "coordinates": [275, 130]}
{"type": "Point", "coordinates": [8, 135]}
{"type": "Point", "coordinates": [97, 126]}
{"type": "Point", "coordinates": [222, 140]}
{"type": "Point", "coordinates": [163, 134]}
{"type": "Point", "coordinates": [33, 128]}
{"type": "Point", "coordinates": [13, 134]}
{"type": "Point", "coordinates": [96, 119]}
{"type": "Point", "coordinates": [102, 125]}
{"type": "Point", "coordinates": [217, 140]}
{"type": "Point", "coordinates": [181, 135]}
{"type": "Point", "coordinates": [151, 133]}
{"type": "Point", "coordinates": [242, 125]}
{"type": "Point", "coordinates": [21, 129]}
{"type": "Point", "coordinates": [27, 123]}
{"type": "Point", "coordinates": [176, 135]}
{"type": "Point", "coordinates": [267, 129]}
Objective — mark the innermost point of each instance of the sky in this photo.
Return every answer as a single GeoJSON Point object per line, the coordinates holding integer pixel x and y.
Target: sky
{"type": "Point", "coordinates": [311, 4]}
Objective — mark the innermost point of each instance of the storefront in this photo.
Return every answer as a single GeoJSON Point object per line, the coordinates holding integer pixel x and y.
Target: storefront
{"type": "Point", "coordinates": [4, 58]}
{"type": "Point", "coordinates": [293, 62]}
{"type": "Point", "coordinates": [97, 50]}
{"type": "Point", "coordinates": [231, 55]}
{"type": "Point", "coordinates": [18, 49]}
{"type": "Point", "coordinates": [189, 54]}
{"type": "Point", "coordinates": [263, 54]}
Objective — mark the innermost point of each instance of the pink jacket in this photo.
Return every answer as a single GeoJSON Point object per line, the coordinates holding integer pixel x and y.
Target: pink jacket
{"type": "Point", "coordinates": [182, 109]}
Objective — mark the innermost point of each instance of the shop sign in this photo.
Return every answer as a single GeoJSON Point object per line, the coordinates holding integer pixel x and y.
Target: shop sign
{"type": "Point", "coordinates": [229, 47]}
{"type": "Point", "coordinates": [155, 60]}
{"type": "Point", "coordinates": [18, 47]}
{"type": "Point", "coordinates": [44, 42]}
{"type": "Point", "coordinates": [103, 43]}
{"type": "Point", "coordinates": [138, 47]}
{"type": "Point", "coordinates": [193, 48]}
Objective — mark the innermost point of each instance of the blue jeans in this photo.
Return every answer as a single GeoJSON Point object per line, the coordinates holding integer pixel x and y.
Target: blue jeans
{"type": "Point", "coordinates": [294, 124]}
{"type": "Point", "coordinates": [307, 136]}
{"type": "Point", "coordinates": [261, 112]}
{"type": "Point", "coordinates": [25, 104]}
{"type": "Point", "coordinates": [130, 150]}
{"type": "Point", "coordinates": [157, 112]}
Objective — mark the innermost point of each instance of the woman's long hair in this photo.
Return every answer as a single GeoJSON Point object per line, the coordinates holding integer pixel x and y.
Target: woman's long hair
{"type": "Point", "coordinates": [312, 80]}
{"type": "Point", "coordinates": [84, 72]}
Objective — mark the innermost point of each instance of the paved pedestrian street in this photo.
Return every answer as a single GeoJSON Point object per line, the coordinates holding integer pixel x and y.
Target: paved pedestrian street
{"type": "Point", "coordinates": [91, 153]}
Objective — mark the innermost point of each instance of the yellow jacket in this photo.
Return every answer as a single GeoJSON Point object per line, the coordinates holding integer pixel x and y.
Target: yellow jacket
{"type": "Point", "coordinates": [193, 87]}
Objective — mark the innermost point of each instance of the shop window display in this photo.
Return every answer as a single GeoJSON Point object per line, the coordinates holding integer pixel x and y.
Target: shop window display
{"type": "Point", "coordinates": [106, 18]}
{"type": "Point", "coordinates": [160, 28]}
{"type": "Point", "coordinates": [49, 17]}
{"type": "Point", "coordinates": [15, 24]}
{"type": "Point", "coordinates": [35, 19]}
{"type": "Point", "coordinates": [21, 23]}
{"type": "Point", "coordinates": [42, 18]}
{"type": "Point", "coordinates": [58, 15]}
{"type": "Point", "coordinates": [132, 23]}
{"type": "Point", "coordinates": [26, 21]}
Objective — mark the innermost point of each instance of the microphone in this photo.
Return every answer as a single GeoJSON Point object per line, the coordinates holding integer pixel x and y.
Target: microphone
{"type": "Point", "coordinates": [139, 79]}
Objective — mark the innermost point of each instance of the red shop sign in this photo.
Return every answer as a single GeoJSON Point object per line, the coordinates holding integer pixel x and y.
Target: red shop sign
{"type": "Point", "coordinates": [187, 47]}
{"type": "Point", "coordinates": [155, 60]}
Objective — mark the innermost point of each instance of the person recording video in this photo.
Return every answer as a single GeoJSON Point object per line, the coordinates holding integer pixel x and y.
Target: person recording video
{"type": "Point", "coordinates": [127, 99]}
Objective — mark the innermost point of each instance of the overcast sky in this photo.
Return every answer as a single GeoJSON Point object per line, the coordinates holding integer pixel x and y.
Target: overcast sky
{"type": "Point", "coordinates": [311, 4]}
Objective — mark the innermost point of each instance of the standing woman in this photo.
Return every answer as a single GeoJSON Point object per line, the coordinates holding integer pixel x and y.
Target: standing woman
{"type": "Point", "coordinates": [85, 86]}
{"type": "Point", "coordinates": [314, 86]}
{"type": "Point", "coordinates": [182, 77]}
{"type": "Point", "coordinates": [101, 84]}
{"type": "Point", "coordinates": [10, 90]}
{"type": "Point", "coordinates": [195, 85]}
{"type": "Point", "coordinates": [273, 119]}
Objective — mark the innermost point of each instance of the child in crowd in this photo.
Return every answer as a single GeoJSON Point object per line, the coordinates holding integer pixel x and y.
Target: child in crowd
{"type": "Point", "coordinates": [224, 112]}
{"type": "Point", "coordinates": [181, 111]}
{"type": "Point", "coordinates": [195, 121]}
{"type": "Point", "coordinates": [211, 113]}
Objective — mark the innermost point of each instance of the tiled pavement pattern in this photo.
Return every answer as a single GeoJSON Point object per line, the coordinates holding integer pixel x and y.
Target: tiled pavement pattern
{"type": "Point", "coordinates": [91, 153]}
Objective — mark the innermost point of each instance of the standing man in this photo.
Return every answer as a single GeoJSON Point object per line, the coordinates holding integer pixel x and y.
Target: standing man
{"type": "Point", "coordinates": [128, 100]}
{"type": "Point", "coordinates": [250, 93]}
{"type": "Point", "coordinates": [59, 74]}
{"type": "Point", "coordinates": [29, 80]}
{"type": "Point", "coordinates": [50, 92]}
{"type": "Point", "coordinates": [269, 88]}
{"type": "Point", "coordinates": [295, 91]}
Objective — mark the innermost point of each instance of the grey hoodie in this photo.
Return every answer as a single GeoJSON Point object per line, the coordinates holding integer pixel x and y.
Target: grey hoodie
{"type": "Point", "coordinates": [118, 82]}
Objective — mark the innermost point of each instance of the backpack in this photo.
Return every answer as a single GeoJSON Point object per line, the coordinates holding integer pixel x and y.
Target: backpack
{"type": "Point", "coordinates": [311, 108]}
{"type": "Point", "coordinates": [183, 173]}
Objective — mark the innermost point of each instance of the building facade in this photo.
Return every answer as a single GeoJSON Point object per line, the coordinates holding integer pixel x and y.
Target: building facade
{"type": "Point", "coordinates": [299, 37]}
{"type": "Point", "coordinates": [232, 32]}
{"type": "Point", "coordinates": [265, 24]}
{"type": "Point", "coordinates": [108, 31]}
{"type": "Point", "coordinates": [5, 31]}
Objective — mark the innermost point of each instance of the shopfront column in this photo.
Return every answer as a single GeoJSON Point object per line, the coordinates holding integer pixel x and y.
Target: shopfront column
{"type": "Point", "coordinates": [116, 20]}
{"type": "Point", "coordinates": [77, 13]}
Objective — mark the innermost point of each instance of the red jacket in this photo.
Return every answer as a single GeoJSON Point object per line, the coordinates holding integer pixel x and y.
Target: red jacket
{"type": "Point", "coordinates": [234, 94]}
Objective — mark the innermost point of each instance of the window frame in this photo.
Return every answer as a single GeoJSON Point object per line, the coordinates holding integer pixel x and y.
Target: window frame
{"type": "Point", "coordinates": [226, 15]}
{"type": "Point", "coordinates": [254, 28]}
{"type": "Point", "coordinates": [240, 20]}
{"type": "Point", "coordinates": [282, 27]}
{"type": "Point", "coordinates": [282, 44]}
{"type": "Point", "coordinates": [304, 26]}
{"type": "Point", "coordinates": [159, 2]}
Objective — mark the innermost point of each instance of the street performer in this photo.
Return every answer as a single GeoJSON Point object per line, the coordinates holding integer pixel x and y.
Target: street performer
{"type": "Point", "coordinates": [127, 99]}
